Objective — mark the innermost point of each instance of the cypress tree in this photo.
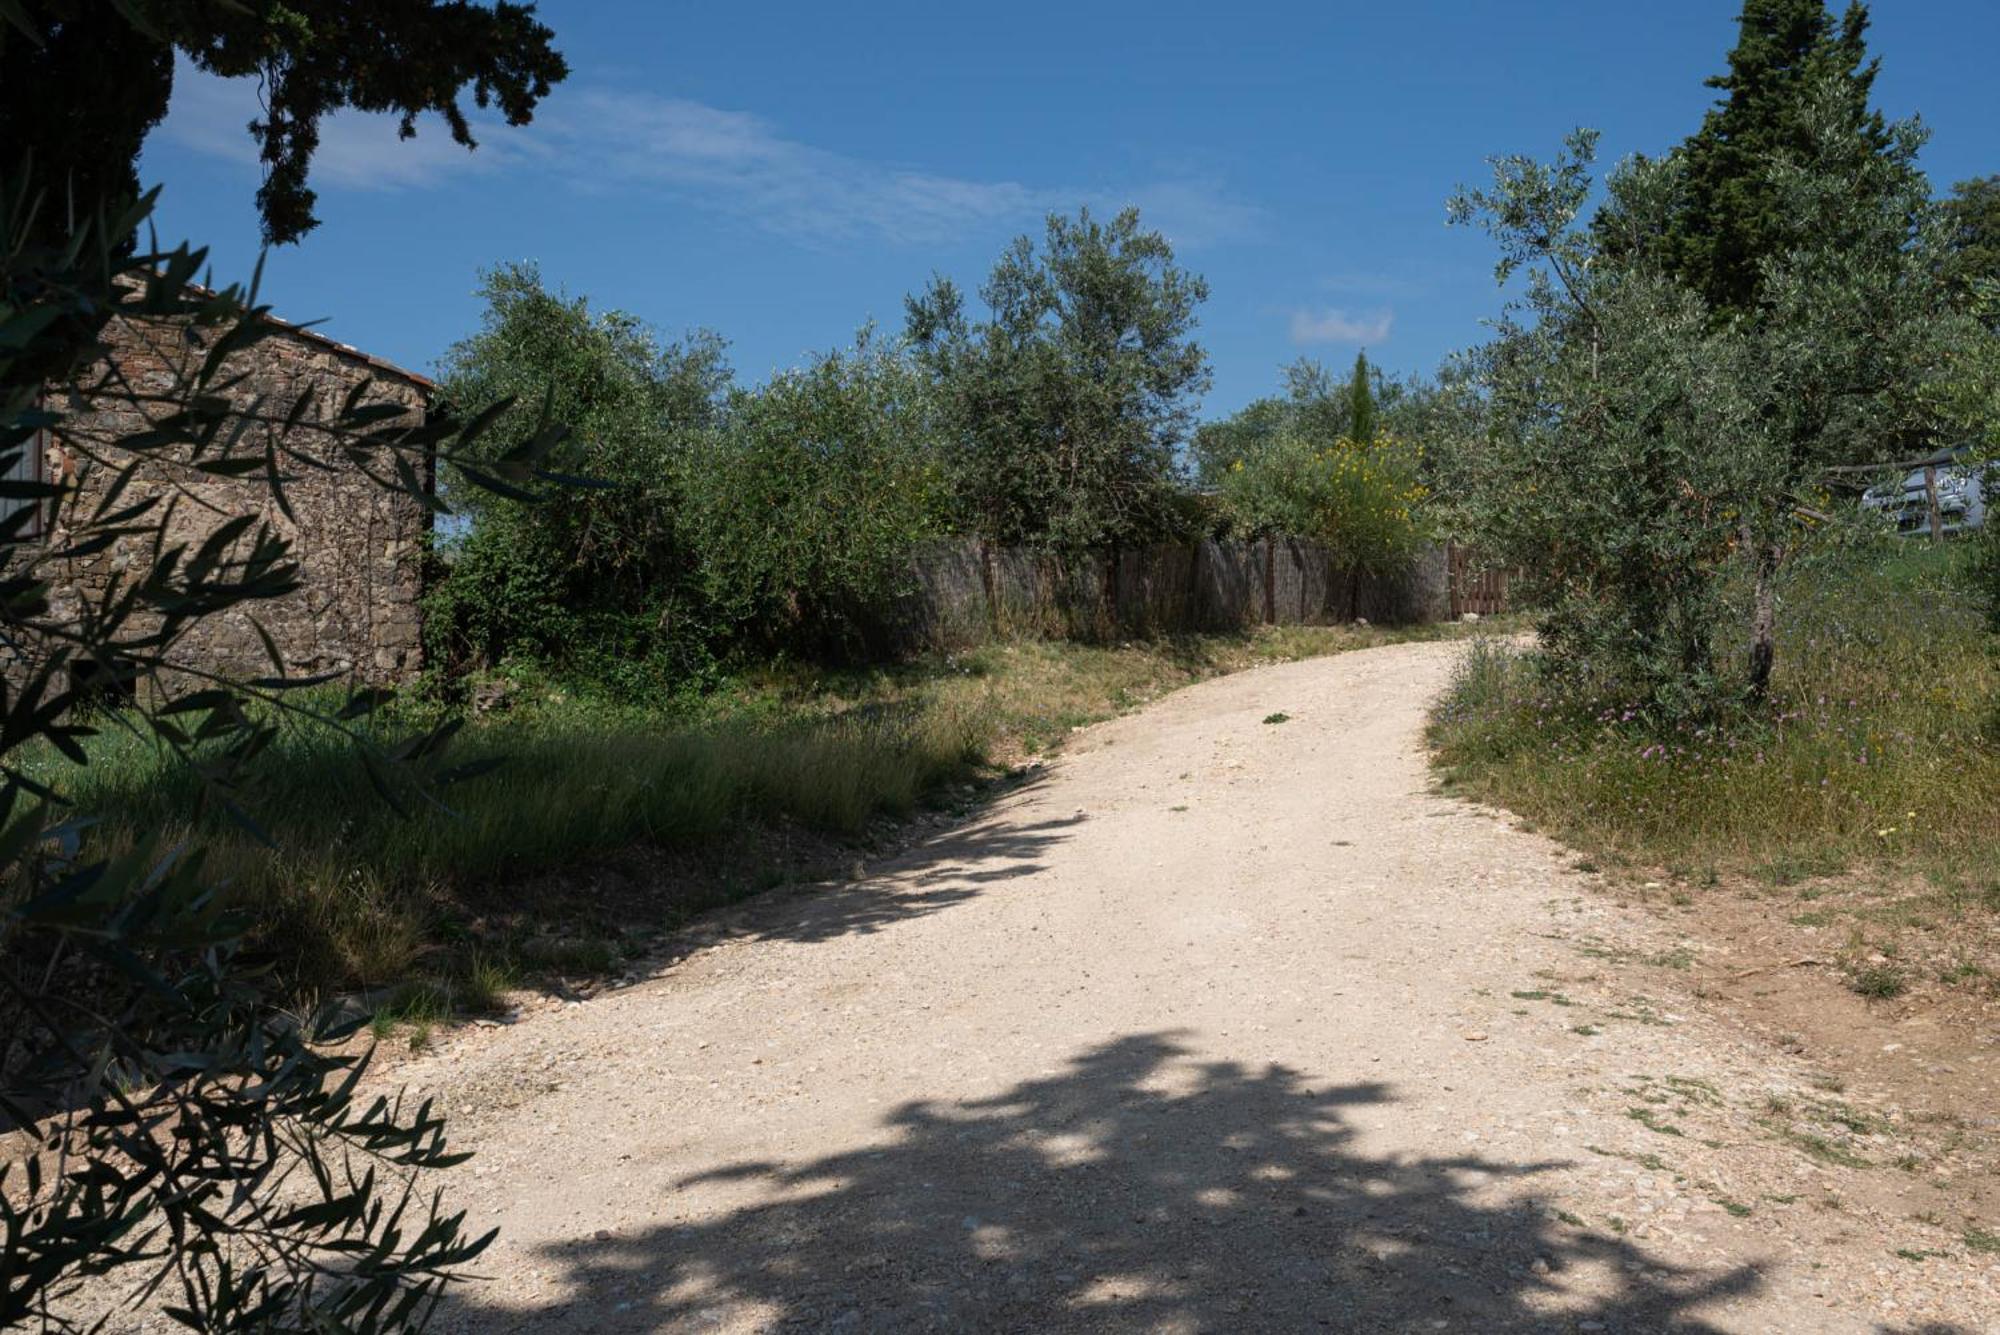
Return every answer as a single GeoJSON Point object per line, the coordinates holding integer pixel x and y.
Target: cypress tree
{"type": "Point", "coordinates": [1361, 416]}
{"type": "Point", "coordinates": [1730, 219]}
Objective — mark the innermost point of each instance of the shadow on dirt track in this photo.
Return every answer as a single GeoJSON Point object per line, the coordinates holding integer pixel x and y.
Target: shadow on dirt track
{"type": "Point", "coordinates": [947, 869]}
{"type": "Point", "coordinates": [1139, 1189]}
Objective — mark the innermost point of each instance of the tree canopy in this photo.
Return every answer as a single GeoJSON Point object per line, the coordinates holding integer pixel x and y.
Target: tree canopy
{"type": "Point", "coordinates": [1639, 448]}
{"type": "Point", "coordinates": [114, 64]}
{"type": "Point", "coordinates": [716, 519]}
{"type": "Point", "coordinates": [1972, 214]}
{"type": "Point", "coordinates": [609, 570]}
{"type": "Point", "coordinates": [1069, 402]}
{"type": "Point", "coordinates": [1792, 60]}
{"type": "Point", "coordinates": [1316, 403]}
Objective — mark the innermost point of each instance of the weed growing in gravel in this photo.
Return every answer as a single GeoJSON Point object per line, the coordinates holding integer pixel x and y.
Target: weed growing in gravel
{"type": "Point", "coordinates": [1652, 1121]}
{"type": "Point", "coordinates": [1848, 1117]}
{"type": "Point", "coordinates": [1879, 982]}
{"type": "Point", "coordinates": [1817, 1147]}
{"type": "Point", "coordinates": [1694, 1090]}
{"type": "Point", "coordinates": [1652, 1163]}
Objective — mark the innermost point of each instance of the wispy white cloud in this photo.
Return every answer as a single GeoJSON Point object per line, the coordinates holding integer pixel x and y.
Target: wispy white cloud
{"type": "Point", "coordinates": [730, 162]}
{"type": "Point", "coordinates": [739, 163]}
{"type": "Point", "coordinates": [1338, 326]}
{"type": "Point", "coordinates": [1192, 211]}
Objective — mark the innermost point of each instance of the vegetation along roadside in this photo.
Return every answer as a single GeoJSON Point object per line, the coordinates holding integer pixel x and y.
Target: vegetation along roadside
{"type": "Point", "coordinates": [1741, 674]}
{"type": "Point", "coordinates": [1862, 801]}
{"type": "Point", "coordinates": [785, 772]}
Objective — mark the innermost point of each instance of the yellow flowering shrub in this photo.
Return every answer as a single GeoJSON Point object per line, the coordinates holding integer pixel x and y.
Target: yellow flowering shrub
{"type": "Point", "coordinates": [1361, 498]}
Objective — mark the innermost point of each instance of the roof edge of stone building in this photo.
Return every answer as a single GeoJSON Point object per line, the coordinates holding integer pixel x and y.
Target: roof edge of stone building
{"type": "Point", "coordinates": [348, 350]}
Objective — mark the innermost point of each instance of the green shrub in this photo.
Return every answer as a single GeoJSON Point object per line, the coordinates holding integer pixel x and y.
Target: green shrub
{"type": "Point", "coordinates": [1983, 561]}
{"type": "Point", "coordinates": [605, 583]}
{"type": "Point", "coordinates": [783, 518]}
{"type": "Point", "coordinates": [1360, 499]}
{"type": "Point", "coordinates": [494, 595]}
{"type": "Point", "coordinates": [811, 503]}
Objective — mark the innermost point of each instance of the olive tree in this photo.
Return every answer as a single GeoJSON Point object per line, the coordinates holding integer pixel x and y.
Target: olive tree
{"type": "Point", "coordinates": [1599, 473]}
{"type": "Point", "coordinates": [1646, 456]}
{"type": "Point", "coordinates": [178, 1130]}
{"type": "Point", "coordinates": [815, 497]}
{"type": "Point", "coordinates": [1068, 404]}
{"type": "Point", "coordinates": [608, 580]}
{"type": "Point", "coordinates": [1852, 350]}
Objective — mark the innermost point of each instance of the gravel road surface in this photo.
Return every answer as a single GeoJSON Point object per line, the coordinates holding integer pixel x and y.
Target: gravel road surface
{"type": "Point", "coordinates": [1218, 1024]}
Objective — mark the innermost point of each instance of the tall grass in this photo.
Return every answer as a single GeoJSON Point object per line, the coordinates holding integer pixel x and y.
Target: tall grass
{"type": "Point", "coordinates": [1876, 750]}
{"type": "Point", "coordinates": [353, 890]}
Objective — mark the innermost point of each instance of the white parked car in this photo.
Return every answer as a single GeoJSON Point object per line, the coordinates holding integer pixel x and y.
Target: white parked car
{"type": "Point", "coordinates": [1965, 489]}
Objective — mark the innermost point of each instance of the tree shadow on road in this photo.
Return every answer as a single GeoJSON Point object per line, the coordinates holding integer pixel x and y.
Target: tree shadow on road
{"type": "Point", "coordinates": [947, 869]}
{"type": "Point", "coordinates": [1137, 1188]}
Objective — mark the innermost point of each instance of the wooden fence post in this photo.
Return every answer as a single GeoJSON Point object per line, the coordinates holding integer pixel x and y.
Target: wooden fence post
{"type": "Point", "coordinates": [1270, 579]}
{"type": "Point", "coordinates": [1452, 598]}
{"type": "Point", "coordinates": [988, 584]}
{"type": "Point", "coordinates": [1192, 602]}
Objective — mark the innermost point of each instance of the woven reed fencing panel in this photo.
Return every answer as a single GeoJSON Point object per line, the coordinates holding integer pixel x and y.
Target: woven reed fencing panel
{"type": "Point", "coordinates": [967, 591]}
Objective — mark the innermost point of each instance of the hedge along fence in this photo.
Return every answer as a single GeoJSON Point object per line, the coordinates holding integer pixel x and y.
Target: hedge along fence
{"type": "Point", "coordinates": [967, 591]}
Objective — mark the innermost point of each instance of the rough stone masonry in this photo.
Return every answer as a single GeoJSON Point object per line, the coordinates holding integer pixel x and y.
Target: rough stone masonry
{"type": "Point", "coordinates": [359, 544]}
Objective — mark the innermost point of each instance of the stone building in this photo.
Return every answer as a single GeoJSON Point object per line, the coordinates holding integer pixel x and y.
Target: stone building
{"type": "Point", "coordinates": [359, 544]}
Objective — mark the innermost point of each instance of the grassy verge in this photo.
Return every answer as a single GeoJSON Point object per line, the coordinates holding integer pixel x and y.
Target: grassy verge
{"type": "Point", "coordinates": [604, 819]}
{"type": "Point", "coordinates": [1877, 759]}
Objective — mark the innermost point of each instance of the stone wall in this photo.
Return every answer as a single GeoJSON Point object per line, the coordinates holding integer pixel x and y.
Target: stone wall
{"type": "Point", "coordinates": [359, 545]}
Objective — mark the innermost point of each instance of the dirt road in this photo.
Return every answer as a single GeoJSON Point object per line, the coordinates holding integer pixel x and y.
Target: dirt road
{"type": "Point", "coordinates": [1225, 1023]}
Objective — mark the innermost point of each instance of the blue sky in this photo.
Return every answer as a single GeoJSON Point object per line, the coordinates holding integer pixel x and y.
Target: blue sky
{"type": "Point", "coordinates": [781, 173]}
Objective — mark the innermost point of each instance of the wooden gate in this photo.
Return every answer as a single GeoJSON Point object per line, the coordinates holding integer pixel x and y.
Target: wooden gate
{"type": "Point", "coordinates": [1475, 588]}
